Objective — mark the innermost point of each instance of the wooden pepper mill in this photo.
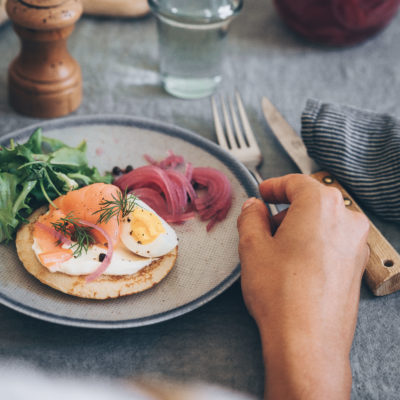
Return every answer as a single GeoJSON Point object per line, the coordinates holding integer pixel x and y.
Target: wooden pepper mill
{"type": "Point", "coordinates": [44, 80]}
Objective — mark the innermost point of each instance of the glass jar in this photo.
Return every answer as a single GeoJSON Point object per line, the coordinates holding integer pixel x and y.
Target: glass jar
{"type": "Point", "coordinates": [337, 22]}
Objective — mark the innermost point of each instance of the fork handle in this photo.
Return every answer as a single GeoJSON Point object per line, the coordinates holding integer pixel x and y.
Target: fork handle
{"type": "Point", "coordinates": [256, 175]}
{"type": "Point", "coordinates": [272, 207]}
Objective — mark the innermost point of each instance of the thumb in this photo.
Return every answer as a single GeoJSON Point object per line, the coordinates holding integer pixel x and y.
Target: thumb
{"type": "Point", "coordinates": [254, 227]}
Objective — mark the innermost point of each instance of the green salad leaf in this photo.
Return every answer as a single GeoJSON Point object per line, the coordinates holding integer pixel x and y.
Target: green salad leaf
{"type": "Point", "coordinates": [35, 173]}
{"type": "Point", "coordinates": [10, 204]}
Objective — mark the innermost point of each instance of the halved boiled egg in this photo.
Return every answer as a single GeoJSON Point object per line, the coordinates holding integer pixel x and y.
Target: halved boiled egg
{"type": "Point", "coordinates": [145, 233]}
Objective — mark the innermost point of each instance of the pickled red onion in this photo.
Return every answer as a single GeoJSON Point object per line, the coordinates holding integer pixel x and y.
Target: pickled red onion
{"type": "Point", "coordinates": [171, 161]}
{"type": "Point", "coordinates": [153, 199]}
{"type": "Point", "coordinates": [183, 185]}
{"type": "Point", "coordinates": [153, 177]}
{"type": "Point", "coordinates": [215, 204]}
{"type": "Point", "coordinates": [107, 259]}
{"type": "Point", "coordinates": [189, 171]}
{"type": "Point", "coordinates": [157, 202]}
{"type": "Point", "coordinates": [168, 191]}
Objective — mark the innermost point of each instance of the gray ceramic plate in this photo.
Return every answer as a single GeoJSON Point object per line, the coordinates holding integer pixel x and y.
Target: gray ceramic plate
{"type": "Point", "coordinates": [207, 263]}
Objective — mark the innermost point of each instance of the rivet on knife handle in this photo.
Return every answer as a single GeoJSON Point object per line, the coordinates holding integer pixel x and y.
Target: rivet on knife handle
{"type": "Point", "coordinates": [382, 272]}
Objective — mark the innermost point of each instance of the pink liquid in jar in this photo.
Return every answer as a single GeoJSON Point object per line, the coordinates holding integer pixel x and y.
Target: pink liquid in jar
{"type": "Point", "coordinates": [337, 22]}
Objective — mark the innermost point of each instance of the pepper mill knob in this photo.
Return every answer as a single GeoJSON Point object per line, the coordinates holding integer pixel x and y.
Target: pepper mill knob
{"type": "Point", "coordinates": [44, 80]}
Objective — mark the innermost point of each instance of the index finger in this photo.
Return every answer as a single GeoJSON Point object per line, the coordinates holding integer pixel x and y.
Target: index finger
{"type": "Point", "coordinates": [284, 189]}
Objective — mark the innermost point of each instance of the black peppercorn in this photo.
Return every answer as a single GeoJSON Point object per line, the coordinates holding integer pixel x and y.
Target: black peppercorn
{"type": "Point", "coordinates": [116, 171]}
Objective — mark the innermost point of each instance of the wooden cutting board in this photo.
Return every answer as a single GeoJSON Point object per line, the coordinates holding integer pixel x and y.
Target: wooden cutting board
{"type": "Point", "coordinates": [112, 8]}
{"type": "Point", "coordinates": [3, 14]}
{"type": "Point", "coordinates": [116, 8]}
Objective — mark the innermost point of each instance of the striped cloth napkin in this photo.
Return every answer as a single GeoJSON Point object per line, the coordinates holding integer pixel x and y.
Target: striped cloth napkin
{"type": "Point", "coordinates": [361, 149]}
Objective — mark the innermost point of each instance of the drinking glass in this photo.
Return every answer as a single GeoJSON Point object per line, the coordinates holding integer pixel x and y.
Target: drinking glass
{"type": "Point", "coordinates": [191, 37]}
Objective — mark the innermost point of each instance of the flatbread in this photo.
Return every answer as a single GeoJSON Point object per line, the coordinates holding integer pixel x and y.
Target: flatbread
{"type": "Point", "coordinates": [104, 287]}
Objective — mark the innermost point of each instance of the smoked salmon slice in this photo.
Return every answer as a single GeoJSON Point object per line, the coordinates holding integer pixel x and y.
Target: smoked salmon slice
{"type": "Point", "coordinates": [51, 258]}
{"type": "Point", "coordinates": [84, 202]}
{"type": "Point", "coordinates": [80, 204]}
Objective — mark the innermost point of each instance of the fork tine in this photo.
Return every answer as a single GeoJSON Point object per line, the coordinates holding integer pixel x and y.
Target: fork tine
{"type": "Point", "coordinates": [218, 126]}
{"type": "Point", "coordinates": [245, 122]}
{"type": "Point", "coordinates": [228, 127]}
{"type": "Point", "coordinates": [250, 155]}
{"type": "Point", "coordinates": [236, 124]}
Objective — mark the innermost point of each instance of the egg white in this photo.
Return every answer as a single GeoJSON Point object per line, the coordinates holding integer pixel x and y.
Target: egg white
{"type": "Point", "coordinates": [123, 261]}
{"type": "Point", "coordinates": [163, 244]}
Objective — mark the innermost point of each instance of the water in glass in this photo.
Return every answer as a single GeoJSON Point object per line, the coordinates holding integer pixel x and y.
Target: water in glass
{"type": "Point", "coordinates": [191, 43]}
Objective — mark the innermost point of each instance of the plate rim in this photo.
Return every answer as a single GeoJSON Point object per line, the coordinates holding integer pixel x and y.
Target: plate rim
{"type": "Point", "coordinates": [239, 171]}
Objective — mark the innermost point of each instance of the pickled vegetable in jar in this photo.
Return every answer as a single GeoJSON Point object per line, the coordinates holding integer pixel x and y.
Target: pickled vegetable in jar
{"type": "Point", "coordinates": [337, 22]}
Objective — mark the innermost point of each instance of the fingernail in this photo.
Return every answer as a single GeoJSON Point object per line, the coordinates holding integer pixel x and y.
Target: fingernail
{"type": "Point", "coordinates": [248, 202]}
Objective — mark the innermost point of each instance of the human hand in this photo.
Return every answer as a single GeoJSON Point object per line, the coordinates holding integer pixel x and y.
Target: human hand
{"type": "Point", "coordinates": [302, 283]}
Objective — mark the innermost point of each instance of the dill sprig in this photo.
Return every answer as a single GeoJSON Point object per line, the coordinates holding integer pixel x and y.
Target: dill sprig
{"type": "Point", "coordinates": [122, 204]}
{"type": "Point", "coordinates": [81, 235]}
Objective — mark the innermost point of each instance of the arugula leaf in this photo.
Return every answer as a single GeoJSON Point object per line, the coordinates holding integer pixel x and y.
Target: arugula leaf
{"type": "Point", "coordinates": [49, 145]}
{"type": "Point", "coordinates": [34, 143]}
{"type": "Point", "coordinates": [12, 201]}
{"type": "Point", "coordinates": [8, 195]}
{"type": "Point", "coordinates": [64, 181]}
{"type": "Point", "coordinates": [35, 173]}
{"type": "Point", "coordinates": [70, 158]}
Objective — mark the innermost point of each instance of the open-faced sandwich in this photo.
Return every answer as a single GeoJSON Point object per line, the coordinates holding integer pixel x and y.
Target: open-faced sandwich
{"type": "Point", "coordinates": [93, 239]}
{"type": "Point", "coordinates": [97, 242]}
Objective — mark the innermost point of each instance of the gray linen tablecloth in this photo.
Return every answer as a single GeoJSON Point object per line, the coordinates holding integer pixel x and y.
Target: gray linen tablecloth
{"type": "Point", "coordinates": [119, 64]}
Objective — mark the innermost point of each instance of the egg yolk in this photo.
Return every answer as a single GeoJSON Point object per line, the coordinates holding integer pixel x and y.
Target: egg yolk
{"type": "Point", "coordinates": [145, 226]}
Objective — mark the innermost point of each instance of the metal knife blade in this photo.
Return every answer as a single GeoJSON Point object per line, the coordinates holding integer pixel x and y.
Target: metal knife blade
{"type": "Point", "coordinates": [382, 272]}
{"type": "Point", "coordinates": [288, 138]}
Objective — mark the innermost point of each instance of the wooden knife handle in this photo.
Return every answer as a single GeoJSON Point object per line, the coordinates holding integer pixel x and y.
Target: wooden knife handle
{"type": "Point", "coordinates": [382, 272]}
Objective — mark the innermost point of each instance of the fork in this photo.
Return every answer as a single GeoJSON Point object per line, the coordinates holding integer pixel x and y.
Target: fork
{"type": "Point", "coordinates": [240, 143]}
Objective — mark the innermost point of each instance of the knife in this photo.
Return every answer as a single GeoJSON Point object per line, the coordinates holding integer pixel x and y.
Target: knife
{"type": "Point", "coordinates": [382, 272]}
